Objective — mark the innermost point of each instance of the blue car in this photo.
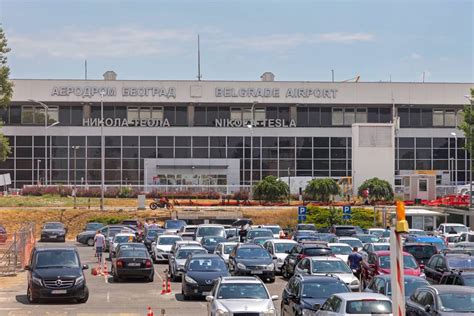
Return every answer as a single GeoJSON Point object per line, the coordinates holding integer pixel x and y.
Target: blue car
{"type": "Point", "coordinates": [431, 240]}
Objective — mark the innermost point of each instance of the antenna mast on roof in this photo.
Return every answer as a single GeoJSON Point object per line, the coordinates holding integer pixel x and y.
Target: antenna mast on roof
{"type": "Point", "coordinates": [199, 76]}
{"type": "Point", "coordinates": [85, 69]}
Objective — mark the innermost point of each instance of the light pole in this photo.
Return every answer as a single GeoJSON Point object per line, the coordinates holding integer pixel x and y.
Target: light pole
{"type": "Point", "coordinates": [102, 151]}
{"type": "Point", "coordinates": [455, 160]}
{"type": "Point", "coordinates": [46, 126]}
{"type": "Point", "coordinates": [250, 126]}
{"type": "Point", "coordinates": [38, 172]}
{"type": "Point", "coordinates": [289, 187]}
{"type": "Point", "coordinates": [75, 148]}
{"type": "Point", "coordinates": [470, 149]}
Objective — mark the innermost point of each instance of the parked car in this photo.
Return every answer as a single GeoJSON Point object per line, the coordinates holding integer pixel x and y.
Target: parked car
{"type": "Point", "coordinates": [240, 296]}
{"type": "Point", "coordinates": [451, 229]}
{"type": "Point", "coordinates": [366, 238]}
{"type": "Point", "coordinates": [351, 241]}
{"type": "Point", "coordinates": [458, 278]}
{"type": "Point", "coordinates": [382, 284]}
{"type": "Point", "coordinates": [300, 251]}
{"type": "Point", "coordinates": [187, 232]}
{"type": "Point", "coordinates": [421, 252]}
{"type": "Point", "coordinates": [200, 273]}
{"type": "Point", "coordinates": [440, 264]}
{"type": "Point", "coordinates": [345, 230]}
{"type": "Point", "coordinates": [303, 292]}
{"type": "Point", "coordinates": [178, 260]}
{"type": "Point", "coordinates": [53, 231]}
{"type": "Point", "coordinates": [279, 248]}
{"type": "Point", "coordinates": [151, 235]}
{"type": "Point", "coordinates": [260, 240]}
{"type": "Point", "coordinates": [258, 232]}
{"type": "Point", "coordinates": [376, 231]}
{"type": "Point", "coordinates": [133, 262]}
{"type": "Point", "coordinates": [224, 249]}
{"type": "Point", "coordinates": [301, 233]}
{"type": "Point", "coordinates": [137, 225]}
{"type": "Point", "coordinates": [173, 226]}
{"type": "Point", "coordinates": [232, 234]}
{"type": "Point", "coordinates": [441, 300]}
{"type": "Point", "coordinates": [311, 227]}
{"type": "Point", "coordinates": [113, 230]}
{"type": "Point", "coordinates": [276, 230]}
{"type": "Point", "coordinates": [249, 259]}
{"type": "Point", "coordinates": [430, 240]}
{"type": "Point", "coordinates": [328, 265]}
{"type": "Point", "coordinates": [161, 248]}
{"type": "Point", "coordinates": [371, 247]}
{"type": "Point", "coordinates": [206, 230]}
{"type": "Point", "coordinates": [417, 232]}
{"type": "Point", "coordinates": [340, 250]}
{"type": "Point", "coordinates": [351, 304]}
{"type": "Point", "coordinates": [180, 243]}
{"type": "Point", "coordinates": [87, 235]}
{"type": "Point", "coordinates": [56, 273]}
{"type": "Point", "coordinates": [210, 242]}
{"type": "Point", "coordinates": [3, 234]}
{"type": "Point", "coordinates": [378, 262]}
{"type": "Point", "coordinates": [119, 239]}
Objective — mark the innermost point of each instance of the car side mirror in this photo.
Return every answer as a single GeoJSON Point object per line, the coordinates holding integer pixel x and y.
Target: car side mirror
{"type": "Point", "coordinates": [85, 266]}
{"type": "Point", "coordinates": [274, 297]}
{"type": "Point", "coordinates": [428, 308]}
{"type": "Point", "coordinates": [317, 307]}
{"type": "Point", "coordinates": [209, 298]}
{"type": "Point", "coordinates": [27, 268]}
{"type": "Point", "coordinates": [275, 257]}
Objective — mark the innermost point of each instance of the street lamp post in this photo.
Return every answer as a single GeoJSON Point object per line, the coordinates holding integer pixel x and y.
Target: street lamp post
{"type": "Point", "coordinates": [470, 149]}
{"type": "Point", "coordinates": [75, 148]}
{"type": "Point", "coordinates": [38, 172]}
{"type": "Point", "coordinates": [102, 151]}
{"type": "Point", "coordinates": [250, 126]}
{"type": "Point", "coordinates": [455, 160]}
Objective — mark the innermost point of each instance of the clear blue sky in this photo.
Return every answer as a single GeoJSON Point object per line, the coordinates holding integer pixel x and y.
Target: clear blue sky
{"type": "Point", "coordinates": [296, 40]}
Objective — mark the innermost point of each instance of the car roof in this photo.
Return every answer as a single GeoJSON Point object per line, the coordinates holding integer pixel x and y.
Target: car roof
{"type": "Point", "coordinates": [53, 223]}
{"type": "Point", "coordinates": [428, 239]}
{"type": "Point", "coordinates": [379, 229]}
{"type": "Point", "coordinates": [249, 246]}
{"type": "Point", "coordinates": [452, 289]}
{"type": "Point", "coordinates": [348, 238]}
{"type": "Point", "coordinates": [362, 295]}
{"type": "Point", "coordinates": [380, 243]}
{"type": "Point", "coordinates": [225, 243]}
{"type": "Point", "coordinates": [124, 234]}
{"type": "Point", "coordinates": [169, 235]}
{"type": "Point", "coordinates": [210, 225]}
{"type": "Point", "coordinates": [274, 225]}
{"type": "Point", "coordinates": [324, 258]}
{"type": "Point", "coordinates": [282, 241]}
{"type": "Point", "coordinates": [241, 279]}
{"type": "Point", "coordinates": [205, 256]}
{"type": "Point", "coordinates": [453, 224]}
{"type": "Point", "coordinates": [344, 226]}
{"type": "Point", "coordinates": [384, 253]}
{"type": "Point", "coordinates": [187, 247]}
{"type": "Point", "coordinates": [417, 244]}
{"type": "Point", "coordinates": [338, 244]}
{"type": "Point", "coordinates": [388, 276]}
{"type": "Point", "coordinates": [318, 278]}
{"type": "Point", "coordinates": [43, 248]}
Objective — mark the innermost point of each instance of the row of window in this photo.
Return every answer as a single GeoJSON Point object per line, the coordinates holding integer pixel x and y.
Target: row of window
{"type": "Point", "coordinates": [422, 117]}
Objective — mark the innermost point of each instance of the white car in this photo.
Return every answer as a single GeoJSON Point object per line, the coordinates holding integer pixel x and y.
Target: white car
{"type": "Point", "coordinates": [376, 231]}
{"type": "Point", "coordinates": [279, 248]}
{"type": "Point", "coordinates": [118, 239]}
{"type": "Point", "coordinates": [181, 243]}
{"type": "Point", "coordinates": [223, 249]}
{"type": "Point", "coordinates": [451, 229]}
{"type": "Point", "coordinates": [328, 265]}
{"type": "Point", "coordinates": [161, 248]}
{"type": "Point", "coordinates": [240, 296]}
{"type": "Point", "coordinates": [205, 230]}
{"type": "Point", "coordinates": [340, 250]}
{"type": "Point", "coordinates": [351, 304]}
{"type": "Point", "coordinates": [276, 230]}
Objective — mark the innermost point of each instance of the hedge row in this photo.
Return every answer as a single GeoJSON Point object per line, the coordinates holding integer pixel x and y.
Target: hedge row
{"type": "Point", "coordinates": [326, 217]}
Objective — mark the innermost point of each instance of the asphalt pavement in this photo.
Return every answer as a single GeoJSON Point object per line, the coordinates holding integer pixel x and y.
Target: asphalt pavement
{"type": "Point", "coordinates": [109, 298]}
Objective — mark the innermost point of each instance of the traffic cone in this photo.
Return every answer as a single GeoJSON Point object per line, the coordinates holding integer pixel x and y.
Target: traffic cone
{"type": "Point", "coordinates": [94, 271]}
{"type": "Point", "coordinates": [168, 288]}
{"type": "Point", "coordinates": [163, 288]}
{"type": "Point", "coordinates": [105, 269]}
{"type": "Point", "coordinates": [150, 312]}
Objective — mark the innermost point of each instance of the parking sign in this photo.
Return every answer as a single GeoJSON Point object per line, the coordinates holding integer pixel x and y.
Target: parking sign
{"type": "Point", "coordinates": [302, 210]}
{"type": "Point", "coordinates": [346, 209]}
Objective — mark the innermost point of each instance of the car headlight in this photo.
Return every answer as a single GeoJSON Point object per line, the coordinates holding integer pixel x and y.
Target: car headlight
{"type": "Point", "coordinates": [80, 280]}
{"type": "Point", "coordinates": [271, 266]}
{"type": "Point", "coordinates": [221, 312]}
{"type": "Point", "coordinates": [308, 312]}
{"type": "Point", "coordinates": [355, 282]}
{"type": "Point", "coordinates": [270, 312]}
{"type": "Point", "coordinates": [37, 281]}
{"type": "Point", "coordinates": [190, 280]}
{"type": "Point", "coordinates": [241, 266]}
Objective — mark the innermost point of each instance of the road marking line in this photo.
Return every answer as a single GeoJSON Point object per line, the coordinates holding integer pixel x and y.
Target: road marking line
{"type": "Point", "coordinates": [108, 297]}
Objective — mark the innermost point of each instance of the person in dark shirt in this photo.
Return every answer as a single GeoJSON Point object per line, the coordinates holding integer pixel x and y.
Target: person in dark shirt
{"type": "Point", "coordinates": [354, 260]}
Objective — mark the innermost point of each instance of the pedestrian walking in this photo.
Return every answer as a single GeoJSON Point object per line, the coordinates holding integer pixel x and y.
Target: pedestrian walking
{"type": "Point", "coordinates": [99, 245]}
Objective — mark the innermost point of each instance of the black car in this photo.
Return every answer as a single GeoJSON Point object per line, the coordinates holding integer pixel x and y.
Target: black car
{"type": "Point", "coordinates": [200, 272]}
{"type": "Point", "coordinates": [174, 225]}
{"type": "Point", "coordinates": [302, 293]}
{"type": "Point", "coordinates": [458, 278]}
{"type": "Point", "coordinates": [421, 252]}
{"type": "Point", "coordinates": [56, 273]}
{"type": "Point", "coordinates": [210, 242]}
{"type": "Point", "coordinates": [440, 264]}
{"type": "Point", "coordinates": [346, 230]}
{"type": "Point", "coordinates": [151, 235]}
{"type": "Point", "coordinates": [441, 300]}
{"type": "Point", "coordinates": [242, 222]}
{"type": "Point", "coordinates": [382, 284]}
{"type": "Point", "coordinates": [311, 227]}
{"type": "Point", "coordinates": [87, 235]}
{"type": "Point", "coordinates": [250, 259]}
{"type": "Point", "coordinates": [301, 251]}
{"type": "Point", "coordinates": [132, 262]}
{"type": "Point", "coordinates": [53, 231]}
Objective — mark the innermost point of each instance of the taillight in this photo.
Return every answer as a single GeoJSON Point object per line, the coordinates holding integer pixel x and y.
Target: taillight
{"type": "Point", "coordinates": [119, 264]}
{"type": "Point", "coordinates": [148, 263]}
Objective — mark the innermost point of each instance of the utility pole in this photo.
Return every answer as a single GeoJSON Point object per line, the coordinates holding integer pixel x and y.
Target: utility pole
{"type": "Point", "coordinates": [75, 148]}
{"type": "Point", "coordinates": [102, 151]}
{"type": "Point", "coordinates": [199, 76]}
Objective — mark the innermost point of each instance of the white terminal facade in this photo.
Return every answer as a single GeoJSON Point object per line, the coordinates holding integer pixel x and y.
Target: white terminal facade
{"type": "Point", "coordinates": [233, 133]}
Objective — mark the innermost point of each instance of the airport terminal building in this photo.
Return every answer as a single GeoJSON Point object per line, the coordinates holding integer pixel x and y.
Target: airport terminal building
{"type": "Point", "coordinates": [227, 133]}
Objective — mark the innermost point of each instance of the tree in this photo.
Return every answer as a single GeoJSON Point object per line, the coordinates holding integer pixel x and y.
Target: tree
{"type": "Point", "coordinates": [271, 189]}
{"type": "Point", "coordinates": [322, 189]}
{"type": "Point", "coordinates": [378, 189]}
{"type": "Point", "coordinates": [6, 91]}
{"type": "Point", "coordinates": [466, 125]}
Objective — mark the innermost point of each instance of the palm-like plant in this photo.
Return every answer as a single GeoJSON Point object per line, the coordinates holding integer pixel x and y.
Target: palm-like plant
{"type": "Point", "coordinates": [379, 190]}
{"type": "Point", "coordinates": [271, 189]}
{"type": "Point", "coordinates": [322, 189]}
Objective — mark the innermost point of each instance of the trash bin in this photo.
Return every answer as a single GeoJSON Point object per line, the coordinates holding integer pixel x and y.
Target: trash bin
{"type": "Point", "coordinates": [141, 202]}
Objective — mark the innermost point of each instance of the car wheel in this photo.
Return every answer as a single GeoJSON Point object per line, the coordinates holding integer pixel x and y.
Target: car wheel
{"type": "Point", "coordinates": [86, 296]}
{"type": "Point", "coordinates": [29, 296]}
{"type": "Point", "coordinates": [90, 242]}
{"type": "Point", "coordinates": [284, 272]}
{"type": "Point", "coordinates": [150, 278]}
{"type": "Point", "coordinates": [116, 279]}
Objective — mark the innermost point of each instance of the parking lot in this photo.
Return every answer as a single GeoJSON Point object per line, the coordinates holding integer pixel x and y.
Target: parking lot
{"type": "Point", "coordinates": [107, 297]}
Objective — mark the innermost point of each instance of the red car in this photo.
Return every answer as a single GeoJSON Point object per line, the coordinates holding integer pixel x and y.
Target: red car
{"type": "Point", "coordinates": [3, 234]}
{"type": "Point", "coordinates": [378, 262]}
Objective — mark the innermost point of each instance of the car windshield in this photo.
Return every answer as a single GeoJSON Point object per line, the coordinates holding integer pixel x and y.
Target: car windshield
{"type": "Point", "coordinates": [352, 242]}
{"type": "Point", "coordinates": [418, 232]}
{"type": "Point", "coordinates": [376, 232]}
{"type": "Point", "coordinates": [167, 240]}
{"type": "Point", "coordinates": [318, 251]}
{"type": "Point", "coordinates": [231, 232]}
{"type": "Point", "coordinates": [207, 264]}
{"type": "Point", "coordinates": [306, 227]}
{"type": "Point", "coordinates": [468, 280]}
{"type": "Point", "coordinates": [461, 263]}
{"type": "Point", "coordinates": [174, 224]}
{"type": "Point", "coordinates": [57, 258]}
{"type": "Point", "coordinates": [456, 229]}
{"type": "Point", "coordinates": [93, 226]}
{"type": "Point", "coordinates": [252, 253]}
{"type": "Point", "coordinates": [130, 223]}
{"type": "Point", "coordinates": [341, 250]}
{"type": "Point", "coordinates": [53, 226]}
{"type": "Point", "coordinates": [322, 290]}
{"type": "Point", "coordinates": [283, 247]}
{"type": "Point", "coordinates": [260, 233]}
{"type": "Point", "coordinates": [184, 253]}
{"type": "Point", "coordinates": [368, 307]}
{"type": "Point", "coordinates": [229, 248]}
{"type": "Point", "coordinates": [457, 302]}
{"type": "Point", "coordinates": [210, 231]}
{"type": "Point", "coordinates": [132, 253]}
{"type": "Point", "coordinates": [212, 241]}
{"type": "Point", "coordinates": [411, 284]}
{"type": "Point", "coordinates": [113, 232]}
{"type": "Point", "coordinates": [381, 247]}
{"type": "Point", "coordinates": [330, 266]}
{"type": "Point", "coordinates": [242, 291]}
{"type": "Point", "coordinates": [260, 240]}
{"type": "Point", "coordinates": [367, 238]}
{"type": "Point", "coordinates": [408, 262]}
{"type": "Point", "coordinates": [151, 234]}
{"type": "Point", "coordinates": [421, 251]}
{"type": "Point", "coordinates": [324, 237]}
{"type": "Point", "coordinates": [275, 230]}
{"type": "Point", "coordinates": [120, 239]}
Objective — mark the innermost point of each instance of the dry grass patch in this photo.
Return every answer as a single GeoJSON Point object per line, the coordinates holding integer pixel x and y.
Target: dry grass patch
{"type": "Point", "coordinates": [283, 217]}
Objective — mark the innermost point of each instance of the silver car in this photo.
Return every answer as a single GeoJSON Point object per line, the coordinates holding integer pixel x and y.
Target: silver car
{"type": "Point", "coordinates": [235, 295]}
{"type": "Point", "coordinates": [223, 249]}
{"type": "Point", "coordinates": [356, 304]}
{"type": "Point", "coordinates": [177, 260]}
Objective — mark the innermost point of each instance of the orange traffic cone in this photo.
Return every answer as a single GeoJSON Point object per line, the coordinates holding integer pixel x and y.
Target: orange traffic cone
{"type": "Point", "coordinates": [105, 269]}
{"type": "Point", "coordinates": [168, 288]}
{"type": "Point", "coordinates": [150, 312]}
{"type": "Point", "coordinates": [163, 288]}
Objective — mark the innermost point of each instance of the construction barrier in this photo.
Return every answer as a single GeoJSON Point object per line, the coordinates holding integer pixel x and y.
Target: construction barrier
{"type": "Point", "coordinates": [15, 249]}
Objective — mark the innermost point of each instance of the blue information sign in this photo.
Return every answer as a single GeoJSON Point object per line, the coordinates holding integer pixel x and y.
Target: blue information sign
{"type": "Point", "coordinates": [346, 216]}
{"type": "Point", "coordinates": [301, 210]}
{"type": "Point", "coordinates": [346, 209]}
{"type": "Point", "coordinates": [301, 218]}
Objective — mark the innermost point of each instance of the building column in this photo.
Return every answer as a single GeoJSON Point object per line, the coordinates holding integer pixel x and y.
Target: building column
{"type": "Point", "coordinates": [293, 112]}
{"type": "Point", "coordinates": [191, 114]}
{"type": "Point", "coordinates": [86, 110]}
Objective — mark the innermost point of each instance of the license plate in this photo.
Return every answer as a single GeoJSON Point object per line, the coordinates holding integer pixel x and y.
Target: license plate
{"type": "Point", "coordinates": [53, 237]}
{"type": "Point", "coordinates": [256, 272]}
{"type": "Point", "coordinates": [134, 264]}
{"type": "Point", "coordinates": [206, 293]}
{"type": "Point", "coordinates": [58, 291]}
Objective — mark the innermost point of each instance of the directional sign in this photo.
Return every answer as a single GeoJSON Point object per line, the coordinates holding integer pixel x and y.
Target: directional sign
{"type": "Point", "coordinates": [301, 218]}
{"type": "Point", "coordinates": [346, 209]}
{"type": "Point", "coordinates": [302, 210]}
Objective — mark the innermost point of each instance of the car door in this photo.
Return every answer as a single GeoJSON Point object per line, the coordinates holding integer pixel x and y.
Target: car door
{"type": "Point", "coordinates": [380, 286]}
{"type": "Point", "coordinates": [371, 266]}
{"type": "Point", "coordinates": [294, 258]}
{"type": "Point", "coordinates": [426, 300]}
{"type": "Point", "coordinates": [412, 304]}
{"type": "Point", "coordinates": [286, 297]}
{"type": "Point", "coordinates": [300, 268]}
{"type": "Point", "coordinates": [429, 268]}
{"type": "Point", "coordinates": [295, 300]}
{"type": "Point", "coordinates": [439, 270]}
{"type": "Point", "coordinates": [327, 309]}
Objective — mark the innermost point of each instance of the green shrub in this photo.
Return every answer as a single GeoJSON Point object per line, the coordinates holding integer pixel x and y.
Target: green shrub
{"type": "Point", "coordinates": [108, 220]}
{"type": "Point", "coordinates": [326, 217]}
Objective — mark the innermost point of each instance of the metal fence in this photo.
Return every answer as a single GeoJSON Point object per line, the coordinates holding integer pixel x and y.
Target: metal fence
{"type": "Point", "coordinates": [15, 249]}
